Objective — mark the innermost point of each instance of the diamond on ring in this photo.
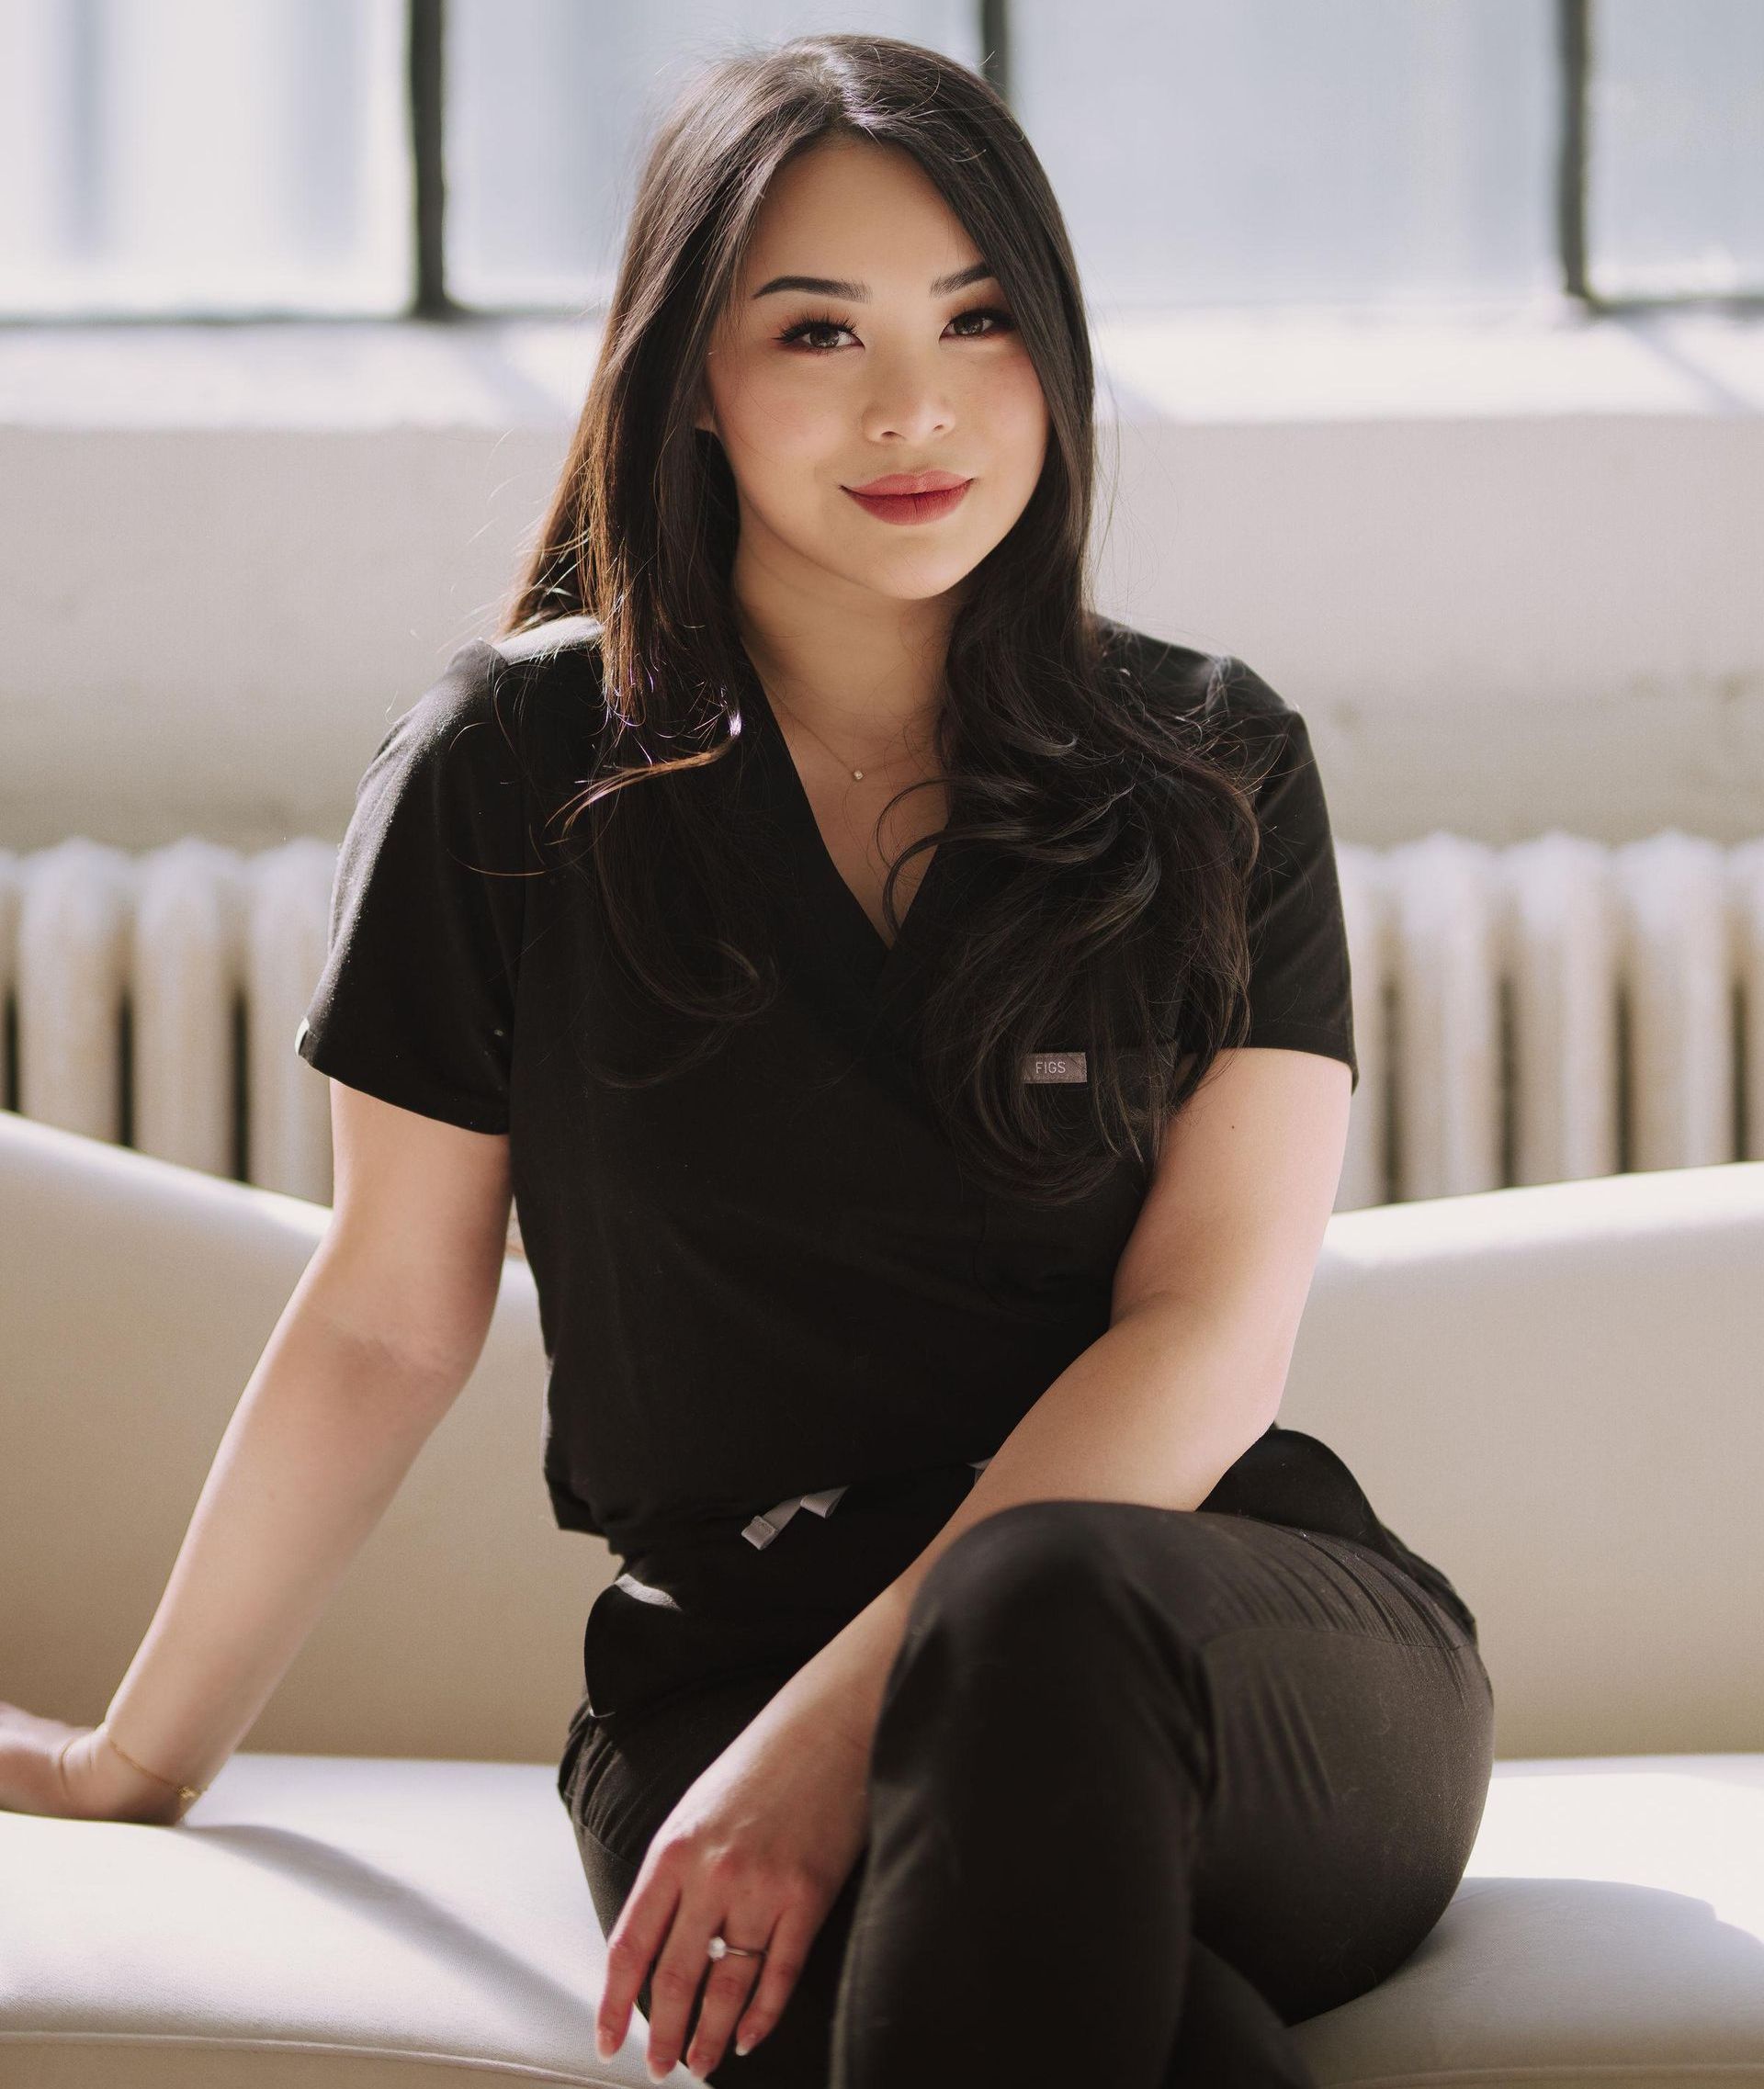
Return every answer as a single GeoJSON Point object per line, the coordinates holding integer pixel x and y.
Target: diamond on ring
{"type": "Point", "coordinates": [717, 1946]}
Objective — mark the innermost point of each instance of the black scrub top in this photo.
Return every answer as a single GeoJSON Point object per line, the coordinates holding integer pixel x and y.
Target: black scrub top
{"type": "Point", "coordinates": [763, 1280]}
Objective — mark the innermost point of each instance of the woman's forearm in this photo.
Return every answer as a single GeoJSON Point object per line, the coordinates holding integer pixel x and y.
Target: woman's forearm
{"type": "Point", "coordinates": [1157, 1410]}
{"type": "Point", "coordinates": [326, 1430]}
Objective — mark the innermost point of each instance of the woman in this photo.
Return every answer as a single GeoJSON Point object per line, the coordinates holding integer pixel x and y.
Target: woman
{"type": "Point", "coordinates": [912, 1015]}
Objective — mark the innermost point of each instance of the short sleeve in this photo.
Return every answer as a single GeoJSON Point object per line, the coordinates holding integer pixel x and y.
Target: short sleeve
{"type": "Point", "coordinates": [416, 1001]}
{"type": "Point", "coordinates": [1301, 995]}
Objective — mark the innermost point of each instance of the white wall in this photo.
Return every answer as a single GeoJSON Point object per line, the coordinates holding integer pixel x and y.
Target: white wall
{"type": "Point", "coordinates": [1508, 566]}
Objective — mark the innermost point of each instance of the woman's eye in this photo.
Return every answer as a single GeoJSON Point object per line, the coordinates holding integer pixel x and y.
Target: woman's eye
{"type": "Point", "coordinates": [1005, 323]}
{"type": "Point", "coordinates": [823, 324]}
{"type": "Point", "coordinates": [826, 322]}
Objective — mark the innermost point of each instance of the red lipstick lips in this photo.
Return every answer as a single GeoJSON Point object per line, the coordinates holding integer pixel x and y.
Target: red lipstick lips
{"type": "Point", "coordinates": [910, 496]}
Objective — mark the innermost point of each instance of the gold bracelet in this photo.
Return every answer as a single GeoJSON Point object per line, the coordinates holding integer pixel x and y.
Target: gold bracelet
{"type": "Point", "coordinates": [188, 1793]}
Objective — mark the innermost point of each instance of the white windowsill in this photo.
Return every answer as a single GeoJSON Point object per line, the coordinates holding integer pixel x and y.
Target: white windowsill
{"type": "Point", "coordinates": [1203, 367]}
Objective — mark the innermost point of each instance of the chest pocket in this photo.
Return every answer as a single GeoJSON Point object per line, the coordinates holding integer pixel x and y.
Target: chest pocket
{"type": "Point", "coordinates": [1053, 1264]}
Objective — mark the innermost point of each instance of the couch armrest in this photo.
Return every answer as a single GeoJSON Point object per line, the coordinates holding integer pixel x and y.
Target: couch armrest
{"type": "Point", "coordinates": [136, 1298]}
{"type": "Point", "coordinates": [1555, 1394]}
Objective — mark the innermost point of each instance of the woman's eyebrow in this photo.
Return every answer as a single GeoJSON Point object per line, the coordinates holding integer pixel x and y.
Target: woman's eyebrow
{"type": "Point", "coordinates": [859, 293]}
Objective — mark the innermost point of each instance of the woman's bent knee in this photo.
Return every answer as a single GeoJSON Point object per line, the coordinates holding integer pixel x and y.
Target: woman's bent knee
{"type": "Point", "coordinates": [1039, 1604]}
{"type": "Point", "coordinates": [1029, 1558]}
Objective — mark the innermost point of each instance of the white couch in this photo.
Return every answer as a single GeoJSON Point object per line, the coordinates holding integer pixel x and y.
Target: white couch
{"type": "Point", "coordinates": [1555, 1392]}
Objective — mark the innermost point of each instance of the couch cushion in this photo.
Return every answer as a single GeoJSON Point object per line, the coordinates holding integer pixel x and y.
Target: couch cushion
{"type": "Point", "coordinates": [1610, 1929]}
{"type": "Point", "coordinates": [351, 1920]}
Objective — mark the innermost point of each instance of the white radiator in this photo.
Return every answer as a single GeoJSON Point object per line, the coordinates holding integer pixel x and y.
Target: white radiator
{"type": "Point", "coordinates": [1549, 1010]}
{"type": "Point", "coordinates": [154, 999]}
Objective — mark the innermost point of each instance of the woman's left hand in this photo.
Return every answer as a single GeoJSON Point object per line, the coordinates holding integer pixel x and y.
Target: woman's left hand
{"type": "Point", "coordinates": [756, 1849]}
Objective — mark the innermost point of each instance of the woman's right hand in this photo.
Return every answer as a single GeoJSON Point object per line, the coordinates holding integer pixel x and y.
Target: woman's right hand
{"type": "Point", "coordinates": [90, 1783]}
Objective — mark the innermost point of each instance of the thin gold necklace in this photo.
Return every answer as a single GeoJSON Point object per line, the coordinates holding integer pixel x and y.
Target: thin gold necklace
{"type": "Point", "coordinates": [857, 774]}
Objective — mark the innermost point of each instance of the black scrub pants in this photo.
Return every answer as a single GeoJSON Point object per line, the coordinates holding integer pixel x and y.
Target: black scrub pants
{"type": "Point", "coordinates": [1147, 1786]}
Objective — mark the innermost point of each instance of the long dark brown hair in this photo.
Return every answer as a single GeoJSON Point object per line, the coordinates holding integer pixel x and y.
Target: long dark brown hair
{"type": "Point", "coordinates": [1121, 821]}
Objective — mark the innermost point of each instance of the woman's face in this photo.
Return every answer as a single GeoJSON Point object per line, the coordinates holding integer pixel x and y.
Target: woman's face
{"type": "Point", "coordinates": [912, 376]}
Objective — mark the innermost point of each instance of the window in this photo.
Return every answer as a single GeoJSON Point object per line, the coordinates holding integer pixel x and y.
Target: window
{"type": "Point", "coordinates": [1674, 172]}
{"type": "Point", "coordinates": [325, 158]}
{"type": "Point", "coordinates": [547, 106]}
{"type": "Point", "coordinates": [196, 158]}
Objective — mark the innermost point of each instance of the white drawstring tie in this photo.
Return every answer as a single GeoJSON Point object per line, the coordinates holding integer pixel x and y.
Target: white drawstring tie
{"type": "Point", "coordinates": [760, 1530]}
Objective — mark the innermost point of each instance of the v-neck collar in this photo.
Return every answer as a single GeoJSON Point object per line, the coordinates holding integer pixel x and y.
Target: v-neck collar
{"type": "Point", "coordinates": [881, 964]}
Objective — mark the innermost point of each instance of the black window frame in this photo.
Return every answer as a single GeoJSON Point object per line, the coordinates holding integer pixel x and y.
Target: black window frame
{"type": "Point", "coordinates": [1574, 41]}
{"type": "Point", "coordinates": [431, 300]}
{"type": "Point", "coordinates": [425, 82]}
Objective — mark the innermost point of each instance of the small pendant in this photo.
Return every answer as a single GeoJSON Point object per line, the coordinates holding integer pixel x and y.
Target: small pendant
{"type": "Point", "coordinates": [857, 775]}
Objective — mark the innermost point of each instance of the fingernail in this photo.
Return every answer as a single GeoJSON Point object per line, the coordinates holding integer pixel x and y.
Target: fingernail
{"type": "Point", "coordinates": [656, 2072]}
{"type": "Point", "coordinates": [743, 2047]}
